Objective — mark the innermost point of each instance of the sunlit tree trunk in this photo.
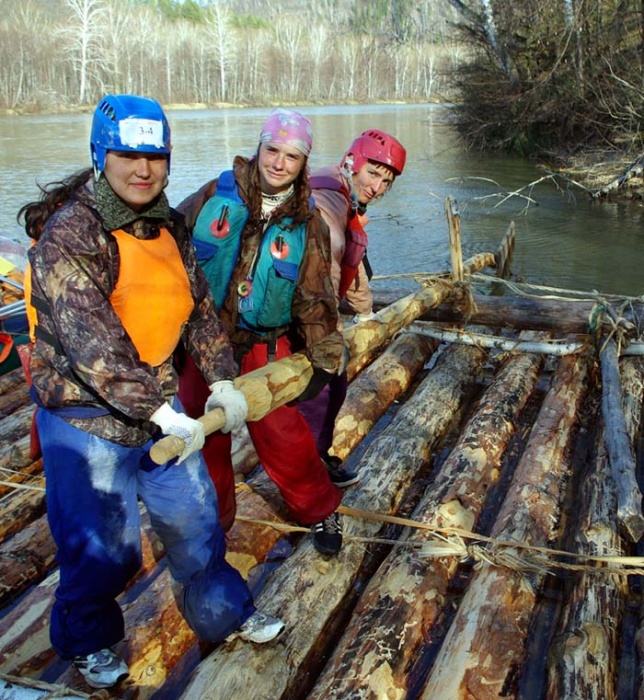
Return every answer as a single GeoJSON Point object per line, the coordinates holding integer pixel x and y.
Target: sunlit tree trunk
{"type": "Point", "coordinates": [86, 31]}
{"type": "Point", "coordinates": [221, 45]}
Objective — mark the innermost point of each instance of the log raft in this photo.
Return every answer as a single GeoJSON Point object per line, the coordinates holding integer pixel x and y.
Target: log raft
{"type": "Point", "coordinates": [469, 493]}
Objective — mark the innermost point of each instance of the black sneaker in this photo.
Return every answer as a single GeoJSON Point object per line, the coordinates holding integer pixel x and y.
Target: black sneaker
{"type": "Point", "coordinates": [102, 669]}
{"type": "Point", "coordinates": [327, 534]}
{"type": "Point", "coordinates": [339, 474]}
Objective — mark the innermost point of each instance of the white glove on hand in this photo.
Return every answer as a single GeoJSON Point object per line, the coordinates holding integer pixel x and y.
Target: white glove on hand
{"type": "Point", "coordinates": [224, 395]}
{"type": "Point", "coordinates": [171, 422]}
{"type": "Point", "coordinates": [371, 316]}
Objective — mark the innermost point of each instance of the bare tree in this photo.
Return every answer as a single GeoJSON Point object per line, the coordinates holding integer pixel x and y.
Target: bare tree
{"type": "Point", "coordinates": [83, 33]}
{"type": "Point", "coordinates": [217, 19]}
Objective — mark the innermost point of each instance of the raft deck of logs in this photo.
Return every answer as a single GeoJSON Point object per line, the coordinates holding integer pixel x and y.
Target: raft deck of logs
{"type": "Point", "coordinates": [492, 546]}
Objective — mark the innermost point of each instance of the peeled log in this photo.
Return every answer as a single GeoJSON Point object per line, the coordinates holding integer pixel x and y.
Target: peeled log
{"type": "Point", "coordinates": [25, 559]}
{"type": "Point", "coordinates": [377, 387]}
{"type": "Point", "coordinates": [309, 591]}
{"type": "Point", "coordinates": [582, 660]}
{"type": "Point", "coordinates": [619, 447]}
{"type": "Point", "coordinates": [486, 640]}
{"type": "Point", "coordinates": [395, 615]}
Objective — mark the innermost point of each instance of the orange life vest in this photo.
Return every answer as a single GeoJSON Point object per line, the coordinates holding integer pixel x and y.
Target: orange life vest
{"type": "Point", "coordinates": [152, 295]}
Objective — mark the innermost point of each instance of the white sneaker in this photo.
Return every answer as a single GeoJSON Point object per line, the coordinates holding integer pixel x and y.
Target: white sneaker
{"type": "Point", "coordinates": [102, 669]}
{"type": "Point", "coordinates": [258, 628]}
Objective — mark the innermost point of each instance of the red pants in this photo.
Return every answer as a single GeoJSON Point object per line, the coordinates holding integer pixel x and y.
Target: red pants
{"type": "Point", "coordinates": [283, 441]}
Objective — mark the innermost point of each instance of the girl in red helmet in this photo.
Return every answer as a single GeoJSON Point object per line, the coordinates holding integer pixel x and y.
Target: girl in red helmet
{"type": "Point", "coordinates": [342, 193]}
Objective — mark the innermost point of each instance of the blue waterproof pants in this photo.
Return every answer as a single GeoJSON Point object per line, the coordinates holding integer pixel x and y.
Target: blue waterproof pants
{"type": "Point", "coordinates": [92, 487]}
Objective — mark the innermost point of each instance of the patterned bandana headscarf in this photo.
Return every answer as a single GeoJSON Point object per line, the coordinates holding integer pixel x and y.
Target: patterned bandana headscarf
{"type": "Point", "coordinates": [289, 127]}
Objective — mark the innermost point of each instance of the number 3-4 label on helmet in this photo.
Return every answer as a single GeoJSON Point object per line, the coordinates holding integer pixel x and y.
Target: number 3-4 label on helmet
{"type": "Point", "coordinates": [138, 132]}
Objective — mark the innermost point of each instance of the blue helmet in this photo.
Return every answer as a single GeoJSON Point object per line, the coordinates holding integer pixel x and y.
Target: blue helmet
{"type": "Point", "coordinates": [128, 123]}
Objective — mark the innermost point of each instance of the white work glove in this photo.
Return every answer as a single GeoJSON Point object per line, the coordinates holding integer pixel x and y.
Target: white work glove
{"type": "Point", "coordinates": [172, 422]}
{"type": "Point", "coordinates": [371, 316]}
{"type": "Point", "coordinates": [224, 395]}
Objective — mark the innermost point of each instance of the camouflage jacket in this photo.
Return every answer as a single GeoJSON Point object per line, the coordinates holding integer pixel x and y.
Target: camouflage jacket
{"type": "Point", "coordinates": [314, 310]}
{"type": "Point", "coordinates": [75, 266]}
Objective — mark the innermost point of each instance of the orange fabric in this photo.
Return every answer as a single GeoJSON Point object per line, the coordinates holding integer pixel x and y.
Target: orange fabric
{"type": "Point", "coordinates": [32, 318]}
{"type": "Point", "coordinates": [152, 271]}
{"type": "Point", "coordinates": [6, 343]}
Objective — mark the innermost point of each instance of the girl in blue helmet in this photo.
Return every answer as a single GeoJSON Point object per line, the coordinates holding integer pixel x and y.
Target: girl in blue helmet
{"type": "Point", "coordinates": [113, 288]}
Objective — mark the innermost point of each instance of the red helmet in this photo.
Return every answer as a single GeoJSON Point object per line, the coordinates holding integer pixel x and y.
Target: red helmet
{"type": "Point", "coordinates": [379, 147]}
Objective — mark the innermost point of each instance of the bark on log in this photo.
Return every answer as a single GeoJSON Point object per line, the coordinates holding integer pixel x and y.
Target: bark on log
{"type": "Point", "coordinates": [14, 476]}
{"type": "Point", "coordinates": [25, 559]}
{"type": "Point", "coordinates": [377, 387]}
{"type": "Point", "coordinates": [17, 455]}
{"type": "Point", "coordinates": [16, 426]}
{"type": "Point", "coordinates": [556, 315]}
{"type": "Point", "coordinates": [308, 591]}
{"type": "Point", "coordinates": [485, 643]}
{"type": "Point", "coordinates": [16, 398]}
{"type": "Point", "coordinates": [582, 661]}
{"type": "Point", "coordinates": [619, 447]}
{"type": "Point", "coordinates": [11, 380]}
{"type": "Point", "coordinates": [396, 613]}
{"type": "Point", "coordinates": [19, 509]}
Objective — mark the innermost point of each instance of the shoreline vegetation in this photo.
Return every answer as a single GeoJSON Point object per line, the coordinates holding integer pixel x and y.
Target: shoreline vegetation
{"type": "Point", "coordinates": [558, 83]}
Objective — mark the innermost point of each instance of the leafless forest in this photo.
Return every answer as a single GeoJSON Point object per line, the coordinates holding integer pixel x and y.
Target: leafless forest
{"type": "Point", "coordinates": [57, 54]}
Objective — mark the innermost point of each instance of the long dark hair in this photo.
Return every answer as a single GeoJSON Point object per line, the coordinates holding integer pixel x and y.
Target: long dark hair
{"type": "Point", "coordinates": [35, 215]}
{"type": "Point", "coordinates": [297, 206]}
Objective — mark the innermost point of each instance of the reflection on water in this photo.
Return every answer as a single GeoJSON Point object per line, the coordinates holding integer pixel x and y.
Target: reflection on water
{"type": "Point", "coordinates": [563, 239]}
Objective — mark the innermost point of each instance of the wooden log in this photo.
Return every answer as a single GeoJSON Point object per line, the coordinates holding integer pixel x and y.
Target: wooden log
{"type": "Point", "coordinates": [504, 254]}
{"type": "Point", "coordinates": [25, 559]}
{"type": "Point", "coordinates": [309, 591]}
{"type": "Point", "coordinates": [15, 688]}
{"type": "Point", "coordinates": [16, 425]}
{"type": "Point", "coordinates": [454, 227]}
{"type": "Point", "coordinates": [244, 456]}
{"type": "Point", "coordinates": [20, 508]}
{"type": "Point", "coordinates": [14, 399]}
{"type": "Point", "coordinates": [11, 380]}
{"type": "Point", "coordinates": [377, 387]}
{"type": "Point", "coordinates": [402, 602]}
{"type": "Point", "coordinates": [14, 476]}
{"type": "Point", "coordinates": [366, 339]}
{"type": "Point", "coordinates": [16, 455]}
{"type": "Point", "coordinates": [485, 644]}
{"type": "Point", "coordinates": [557, 347]}
{"type": "Point", "coordinates": [582, 660]}
{"type": "Point", "coordinates": [265, 389]}
{"type": "Point", "coordinates": [522, 313]}
{"type": "Point", "coordinates": [618, 445]}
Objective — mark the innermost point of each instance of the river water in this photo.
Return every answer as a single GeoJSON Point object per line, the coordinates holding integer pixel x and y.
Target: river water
{"type": "Point", "coordinates": [562, 238]}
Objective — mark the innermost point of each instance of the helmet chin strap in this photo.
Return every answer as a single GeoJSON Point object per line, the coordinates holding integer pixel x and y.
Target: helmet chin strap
{"type": "Point", "coordinates": [347, 171]}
